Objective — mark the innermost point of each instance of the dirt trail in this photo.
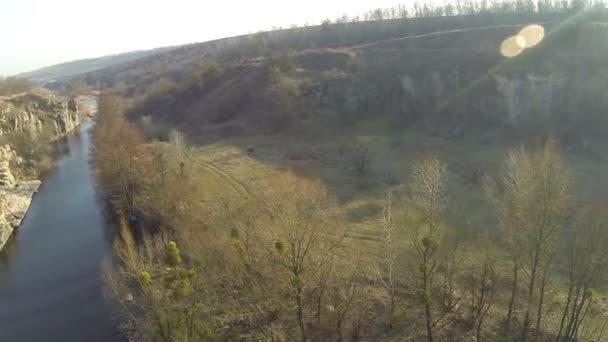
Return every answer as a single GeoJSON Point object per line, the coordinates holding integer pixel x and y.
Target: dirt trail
{"type": "Point", "coordinates": [234, 184]}
{"type": "Point", "coordinates": [437, 33]}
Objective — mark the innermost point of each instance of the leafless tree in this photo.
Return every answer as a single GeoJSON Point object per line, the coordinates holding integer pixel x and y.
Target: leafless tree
{"type": "Point", "coordinates": [534, 203]}
{"type": "Point", "coordinates": [427, 196]}
{"type": "Point", "coordinates": [585, 266]}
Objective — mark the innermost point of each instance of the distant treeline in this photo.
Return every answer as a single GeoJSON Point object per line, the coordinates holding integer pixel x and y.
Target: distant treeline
{"type": "Point", "coordinates": [482, 7]}
{"type": "Point", "coordinates": [14, 85]}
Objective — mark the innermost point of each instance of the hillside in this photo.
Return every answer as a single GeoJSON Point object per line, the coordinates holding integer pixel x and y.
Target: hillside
{"type": "Point", "coordinates": [147, 64]}
{"type": "Point", "coordinates": [429, 71]}
{"type": "Point", "coordinates": [398, 151]}
{"type": "Point", "coordinates": [451, 82]}
{"type": "Point", "coordinates": [61, 72]}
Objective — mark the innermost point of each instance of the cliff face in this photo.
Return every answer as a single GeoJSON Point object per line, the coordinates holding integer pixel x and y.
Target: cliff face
{"type": "Point", "coordinates": [504, 99]}
{"type": "Point", "coordinates": [15, 196]}
{"type": "Point", "coordinates": [37, 112]}
{"type": "Point", "coordinates": [38, 117]}
{"type": "Point", "coordinates": [458, 80]}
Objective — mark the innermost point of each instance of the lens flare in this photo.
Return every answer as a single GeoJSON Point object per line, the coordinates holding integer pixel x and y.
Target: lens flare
{"type": "Point", "coordinates": [512, 46]}
{"type": "Point", "coordinates": [532, 35]}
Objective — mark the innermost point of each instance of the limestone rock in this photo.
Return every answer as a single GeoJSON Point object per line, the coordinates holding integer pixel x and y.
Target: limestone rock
{"type": "Point", "coordinates": [6, 177]}
{"type": "Point", "coordinates": [15, 197]}
{"type": "Point", "coordinates": [37, 111]}
{"type": "Point", "coordinates": [6, 156]}
{"type": "Point", "coordinates": [14, 202]}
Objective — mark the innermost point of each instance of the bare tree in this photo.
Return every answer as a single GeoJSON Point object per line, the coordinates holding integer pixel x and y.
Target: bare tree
{"type": "Point", "coordinates": [585, 266]}
{"type": "Point", "coordinates": [305, 230]}
{"type": "Point", "coordinates": [506, 209]}
{"type": "Point", "coordinates": [427, 196]}
{"type": "Point", "coordinates": [483, 290]}
{"type": "Point", "coordinates": [387, 263]}
{"type": "Point", "coordinates": [121, 156]}
{"type": "Point", "coordinates": [532, 208]}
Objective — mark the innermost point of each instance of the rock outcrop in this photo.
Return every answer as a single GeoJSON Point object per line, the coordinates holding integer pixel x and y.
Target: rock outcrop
{"type": "Point", "coordinates": [15, 196]}
{"type": "Point", "coordinates": [6, 156]}
{"type": "Point", "coordinates": [38, 111]}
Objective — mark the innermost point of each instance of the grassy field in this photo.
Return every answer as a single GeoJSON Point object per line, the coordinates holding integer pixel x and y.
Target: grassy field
{"type": "Point", "coordinates": [247, 165]}
{"type": "Point", "coordinates": [243, 167]}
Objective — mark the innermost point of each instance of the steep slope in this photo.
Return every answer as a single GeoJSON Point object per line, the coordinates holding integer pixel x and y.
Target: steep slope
{"type": "Point", "coordinates": [39, 111]}
{"type": "Point", "coordinates": [450, 82]}
{"type": "Point", "coordinates": [134, 69]}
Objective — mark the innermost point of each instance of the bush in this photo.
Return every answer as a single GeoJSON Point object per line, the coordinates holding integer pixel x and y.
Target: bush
{"type": "Point", "coordinates": [206, 67]}
{"type": "Point", "coordinates": [285, 61]}
{"type": "Point", "coordinates": [274, 75]}
{"type": "Point", "coordinates": [287, 93]}
{"type": "Point", "coordinates": [162, 87]}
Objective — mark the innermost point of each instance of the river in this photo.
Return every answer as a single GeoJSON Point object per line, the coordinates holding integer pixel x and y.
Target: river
{"type": "Point", "coordinates": [50, 272]}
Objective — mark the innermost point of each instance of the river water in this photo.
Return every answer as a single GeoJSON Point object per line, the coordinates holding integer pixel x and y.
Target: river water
{"type": "Point", "coordinates": [50, 275]}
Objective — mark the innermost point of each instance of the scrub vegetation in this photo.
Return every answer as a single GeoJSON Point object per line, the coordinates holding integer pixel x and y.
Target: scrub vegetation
{"type": "Point", "coordinates": [273, 218]}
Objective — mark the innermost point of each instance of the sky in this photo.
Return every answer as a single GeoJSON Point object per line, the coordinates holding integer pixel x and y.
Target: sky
{"type": "Point", "coordinates": [38, 33]}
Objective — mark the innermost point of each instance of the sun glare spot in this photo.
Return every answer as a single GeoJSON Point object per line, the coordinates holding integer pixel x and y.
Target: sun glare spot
{"type": "Point", "coordinates": [532, 35]}
{"type": "Point", "coordinates": [512, 46]}
{"type": "Point", "coordinates": [527, 37]}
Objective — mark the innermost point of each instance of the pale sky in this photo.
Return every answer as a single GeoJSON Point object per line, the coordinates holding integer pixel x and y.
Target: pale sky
{"type": "Point", "coordinates": [37, 33]}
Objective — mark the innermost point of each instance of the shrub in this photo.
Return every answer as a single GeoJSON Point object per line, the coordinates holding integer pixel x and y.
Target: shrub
{"type": "Point", "coordinates": [161, 87]}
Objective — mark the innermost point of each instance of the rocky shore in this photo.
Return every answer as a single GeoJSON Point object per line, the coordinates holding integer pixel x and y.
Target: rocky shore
{"type": "Point", "coordinates": [37, 113]}
{"type": "Point", "coordinates": [15, 196]}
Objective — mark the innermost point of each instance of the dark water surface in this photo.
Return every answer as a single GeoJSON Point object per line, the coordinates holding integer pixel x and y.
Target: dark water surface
{"type": "Point", "coordinates": [50, 279]}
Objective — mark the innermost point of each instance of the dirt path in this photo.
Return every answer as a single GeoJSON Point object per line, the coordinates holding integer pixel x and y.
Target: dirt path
{"type": "Point", "coordinates": [437, 33]}
{"type": "Point", "coordinates": [234, 183]}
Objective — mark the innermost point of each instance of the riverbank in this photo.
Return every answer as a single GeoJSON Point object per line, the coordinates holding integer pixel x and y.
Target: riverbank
{"type": "Point", "coordinates": [50, 271]}
{"type": "Point", "coordinates": [16, 195]}
{"type": "Point", "coordinates": [14, 203]}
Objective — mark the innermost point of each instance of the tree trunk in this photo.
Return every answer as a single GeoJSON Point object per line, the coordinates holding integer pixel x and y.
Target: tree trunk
{"type": "Point", "coordinates": [429, 322]}
{"type": "Point", "coordinates": [513, 296]}
{"type": "Point", "coordinates": [478, 330]}
{"type": "Point", "coordinates": [572, 317]}
{"type": "Point", "coordinates": [539, 312]}
{"type": "Point", "coordinates": [392, 308]}
{"type": "Point", "coordinates": [565, 314]}
{"type": "Point", "coordinates": [427, 296]}
{"type": "Point", "coordinates": [526, 325]}
{"type": "Point", "coordinates": [300, 314]}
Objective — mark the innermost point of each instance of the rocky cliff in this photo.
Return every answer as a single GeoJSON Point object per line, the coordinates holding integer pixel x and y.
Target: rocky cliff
{"type": "Point", "coordinates": [37, 112]}
{"type": "Point", "coordinates": [29, 120]}
{"type": "Point", "coordinates": [15, 196]}
{"type": "Point", "coordinates": [458, 80]}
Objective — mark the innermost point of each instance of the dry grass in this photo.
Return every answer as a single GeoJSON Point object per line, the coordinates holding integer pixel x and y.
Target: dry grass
{"type": "Point", "coordinates": [248, 165]}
